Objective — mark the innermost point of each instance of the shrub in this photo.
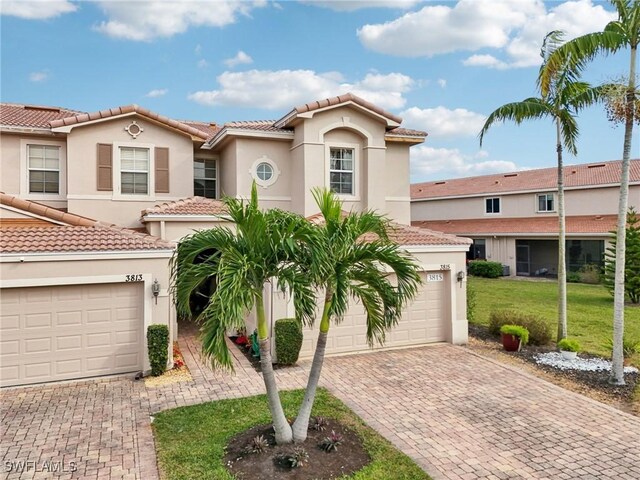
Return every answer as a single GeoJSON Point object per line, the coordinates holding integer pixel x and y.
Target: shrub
{"type": "Point", "coordinates": [331, 442]}
{"type": "Point", "coordinates": [158, 346]}
{"type": "Point", "coordinates": [629, 347]}
{"type": "Point", "coordinates": [298, 458]}
{"type": "Point", "coordinates": [258, 444]}
{"type": "Point", "coordinates": [517, 331]}
{"type": "Point", "coordinates": [472, 301]}
{"type": "Point", "coordinates": [483, 268]}
{"type": "Point", "coordinates": [539, 330]}
{"type": "Point", "coordinates": [568, 345]}
{"type": "Point", "coordinates": [590, 273]}
{"type": "Point", "coordinates": [573, 277]}
{"type": "Point", "coordinates": [288, 334]}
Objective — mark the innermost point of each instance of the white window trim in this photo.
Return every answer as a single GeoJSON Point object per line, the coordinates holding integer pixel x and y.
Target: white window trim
{"type": "Point", "coordinates": [24, 170]}
{"type": "Point", "coordinates": [537, 200]}
{"type": "Point", "coordinates": [355, 196]}
{"type": "Point", "coordinates": [484, 206]}
{"type": "Point", "coordinates": [254, 174]}
{"type": "Point", "coordinates": [217, 161]}
{"type": "Point", "coordinates": [117, 186]}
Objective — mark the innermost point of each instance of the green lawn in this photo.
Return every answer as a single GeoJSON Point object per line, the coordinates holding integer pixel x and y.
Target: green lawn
{"type": "Point", "coordinates": [589, 308]}
{"type": "Point", "coordinates": [190, 441]}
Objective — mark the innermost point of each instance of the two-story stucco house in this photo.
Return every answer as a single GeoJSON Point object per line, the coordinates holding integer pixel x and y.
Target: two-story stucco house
{"type": "Point", "coordinates": [513, 219]}
{"type": "Point", "coordinates": [94, 203]}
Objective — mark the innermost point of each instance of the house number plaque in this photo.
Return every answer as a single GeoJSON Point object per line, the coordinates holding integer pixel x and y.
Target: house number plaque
{"type": "Point", "coordinates": [435, 277]}
{"type": "Point", "coordinates": [134, 277]}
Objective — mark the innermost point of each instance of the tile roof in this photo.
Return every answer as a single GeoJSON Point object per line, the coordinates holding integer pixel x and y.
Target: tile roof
{"type": "Point", "coordinates": [112, 112]}
{"type": "Point", "coordinates": [409, 235]}
{"type": "Point", "coordinates": [578, 224]}
{"type": "Point", "coordinates": [188, 206]}
{"type": "Point", "coordinates": [209, 128]}
{"type": "Point", "coordinates": [406, 132]}
{"type": "Point", "coordinates": [328, 102]}
{"type": "Point", "coordinates": [32, 116]}
{"type": "Point", "coordinates": [80, 234]}
{"type": "Point", "coordinates": [260, 125]}
{"type": "Point", "coordinates": [592, 174]}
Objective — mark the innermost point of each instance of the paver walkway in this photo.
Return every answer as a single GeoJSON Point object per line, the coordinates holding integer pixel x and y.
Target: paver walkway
{"type": "Point", "coordinates": [460, 416]}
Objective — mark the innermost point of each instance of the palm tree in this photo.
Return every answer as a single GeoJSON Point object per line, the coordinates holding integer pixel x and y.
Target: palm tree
{"type": "Point", "coordinates": [619, 34]}
{"type": "Point", "coordinates": [561, 102]}
{"type": "Point", "coordinates": [358, 264]}
{"type": "Point", "coordinates": [264, 247]}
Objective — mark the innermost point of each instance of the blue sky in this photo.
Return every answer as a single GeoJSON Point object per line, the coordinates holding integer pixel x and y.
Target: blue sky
{"type": "Point", "coordinates": [442, 66]}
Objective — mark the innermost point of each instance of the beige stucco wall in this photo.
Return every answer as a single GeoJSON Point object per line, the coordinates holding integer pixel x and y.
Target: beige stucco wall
{"type": "Point", "coordinates": [83, 196]}
{"type": "Point", "coordinates": [12, 151]}
{"type": "Point", "coordinates": [397, 173]}
{"type": "Point", "coordinates": [175, 230]}
{"type": "Point", "coordinates": [52, 269]}
{"type": "Point", "coordinates": [588, 201]}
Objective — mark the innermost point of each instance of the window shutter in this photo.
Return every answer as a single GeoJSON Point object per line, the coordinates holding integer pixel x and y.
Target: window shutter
{"type": "Point", "coordinates": [105, 167]}
{"type": "Point", "coordinates": [162, 170]}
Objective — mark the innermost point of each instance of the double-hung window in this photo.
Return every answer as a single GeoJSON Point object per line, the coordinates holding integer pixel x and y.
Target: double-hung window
{"type": "Point", "coordinates": [204, 177]}
{"type": "Point", "coordinates": [44, 168]}
{"type": "Point", "coordinates": [492, 205]}
{"type": "Point", "coordinates": [545, 202]}
{"type": "Point", "coordinates": [341, 170]}
{"type": "Point", "coordinates": [134, 170]}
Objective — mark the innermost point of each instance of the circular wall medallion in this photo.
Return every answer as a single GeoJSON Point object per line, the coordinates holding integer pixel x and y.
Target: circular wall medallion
{"type": "Point", "coordinates": [134, 129]}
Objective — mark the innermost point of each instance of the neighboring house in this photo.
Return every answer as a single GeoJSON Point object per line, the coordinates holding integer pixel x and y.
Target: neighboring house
{"type": "Point", "coordinates": [151, 180]}
{"type": "Point", "coordinates": [513, 219]}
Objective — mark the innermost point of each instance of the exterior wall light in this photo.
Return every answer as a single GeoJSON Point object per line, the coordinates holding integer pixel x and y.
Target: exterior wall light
{"type": "Point", "coordinates": [155, 289]}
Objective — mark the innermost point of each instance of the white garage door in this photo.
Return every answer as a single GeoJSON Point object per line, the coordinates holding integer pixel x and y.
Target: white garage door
{"type": "Point", "coordinates": [424, 321]}
{"type": "Point", "coordinates": [67, 332]}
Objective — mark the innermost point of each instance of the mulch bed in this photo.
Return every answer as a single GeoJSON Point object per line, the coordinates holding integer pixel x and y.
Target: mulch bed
{"type": "Point", "coordinates": [598, 380]}
{"type": "Point", "coordinates": [255, 361]}
{"type": "Point", "coordinates": [349, 457]}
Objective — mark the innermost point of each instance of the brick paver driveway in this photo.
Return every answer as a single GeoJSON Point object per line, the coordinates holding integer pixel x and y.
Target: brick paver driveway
{"type": "Point", "coordinates": [458, 415]}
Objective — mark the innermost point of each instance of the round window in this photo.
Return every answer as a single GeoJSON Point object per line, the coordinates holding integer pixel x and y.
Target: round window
{"type": "Point", "coordinates": [264, 171]}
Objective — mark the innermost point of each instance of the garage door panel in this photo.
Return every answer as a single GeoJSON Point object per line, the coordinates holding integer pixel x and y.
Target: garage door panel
{"type": "Point", "coordinates": [87, 330]}
{"type": "Point", "coordinates": [424, 321]}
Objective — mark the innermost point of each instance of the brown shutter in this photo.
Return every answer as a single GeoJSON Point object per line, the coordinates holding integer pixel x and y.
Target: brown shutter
{"type": "Point", "coordinates": [105, 167]}
{"type": "Point", "coordinates": [162, 170]}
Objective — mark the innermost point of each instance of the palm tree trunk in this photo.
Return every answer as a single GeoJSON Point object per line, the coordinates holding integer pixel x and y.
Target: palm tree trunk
{"type": "Point", "coordinates": [617, 359]}
{"type": "Point", "coordinates": [562, 265]}
{"type": "Point", "coordinates": [301, 425]}
{"type": "Point", "coordinates": [281, 427]}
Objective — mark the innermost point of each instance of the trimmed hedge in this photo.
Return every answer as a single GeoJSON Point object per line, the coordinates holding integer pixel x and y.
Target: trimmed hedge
{"type": "Point", "coordinates": [288, 335]}
{"type": "Point", "coordinates": [539, 330]}
{"type": "Point", "coordinates": [483, 268]}
{"type": "Point", "coordinates": [158, 346]}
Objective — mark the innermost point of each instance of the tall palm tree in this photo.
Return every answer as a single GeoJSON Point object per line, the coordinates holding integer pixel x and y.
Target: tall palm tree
{"type": "Point", "coordinates": [358, 264]}
{"type": "Point", "coordinates": [264, 247]}
{"type": "Point", "coordinates": [620, 34]}
{"type": "Point", "coordinates": [561, 102]}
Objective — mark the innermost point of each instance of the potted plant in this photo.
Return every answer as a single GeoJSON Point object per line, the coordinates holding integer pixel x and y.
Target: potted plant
{"type": "Point", "coordinates": [514, 337]}
{"type": "Point", "coordinates": [569, 348]}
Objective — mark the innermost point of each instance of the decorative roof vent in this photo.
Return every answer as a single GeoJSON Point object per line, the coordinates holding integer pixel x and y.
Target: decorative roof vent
{"type": "Point", "coordinates": [510, 175]}
{"type": "Point", "coordinates": [596, 165]}
{"type": "Point", "coordinates": [44, 109]}
{"type": "Point", "coordinates": [440, 183]}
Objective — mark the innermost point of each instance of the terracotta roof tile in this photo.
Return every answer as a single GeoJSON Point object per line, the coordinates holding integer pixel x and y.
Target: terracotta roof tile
{"type": "Point", "coordinates": [209, 128]}
{"type": "Point", "coordinates": [328, 102]}
{"type": "Point", "coordinates": [85, 117]}
{"type": "Point", "coordinates": [578, 224]}
{"type": "Point", "coordinates": [32, 116]}
{"type": "Point", "coordinates": [75, 239]}
{"type": "Point", "coordinates": [80, 234]}
{"type": "Point", "coordinates": [406, 132]}
{"type": "Point", "coordinates": [409, 235]}
{"type": "Point", "coordinates": [188, 206]}
{"type": "Point", "coordinates": [591, 174]}
{"type": "Point", "coordinates": [260, 125]}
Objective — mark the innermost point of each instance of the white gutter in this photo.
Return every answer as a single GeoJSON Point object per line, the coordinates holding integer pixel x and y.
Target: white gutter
{"type": "Point", "coordinates": [78, 256]}
{"type": "Point", "coordinates": [155, 217]}
{"type": "Point", "coordinates": [242, 132]}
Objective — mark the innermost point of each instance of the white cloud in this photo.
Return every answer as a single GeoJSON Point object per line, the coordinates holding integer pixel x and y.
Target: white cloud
{"type": "Point", "coordinates": [515, 28]}
{"type": "Point", "coordinates": [36, 10]}
{"type": "Point", "coordinates": [145, 21]}
{"type": "Point", "coordinates": [159, 92]}
{"type": "Point", "coordinates": [241, 58]}
{"type": "Point", "coordinates": [198, 50]}
{"type": "Point", "coordinates": [442, 82]}
{"type": "Point", "coordinates": [38, 77]}
{"type": "Point", "coordinates": [351, 5]}
{"type": "Point", "coordinates": [451, 163]}
{"type": "Point", "coordinates": [442, 122]}
{"type": "Point", "coordinates": [275, 90]}
{"type": "Point", "coordinates": [202, 63]}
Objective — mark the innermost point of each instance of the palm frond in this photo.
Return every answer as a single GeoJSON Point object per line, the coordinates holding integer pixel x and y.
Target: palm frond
{"type": "Point", "coordinates": [528, 109]}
